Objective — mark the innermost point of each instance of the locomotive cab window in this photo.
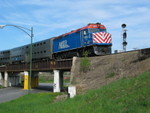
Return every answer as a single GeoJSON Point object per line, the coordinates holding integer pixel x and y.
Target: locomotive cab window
{"type": "Point", "coordinates": [94, 30]}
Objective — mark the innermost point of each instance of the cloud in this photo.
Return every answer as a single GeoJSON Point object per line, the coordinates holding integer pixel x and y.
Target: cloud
{"type": "Point", "coordinates": [53, 18]}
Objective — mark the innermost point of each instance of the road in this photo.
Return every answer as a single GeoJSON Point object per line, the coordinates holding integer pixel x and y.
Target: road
{"type": "Point", "coordinates": [11, 93]}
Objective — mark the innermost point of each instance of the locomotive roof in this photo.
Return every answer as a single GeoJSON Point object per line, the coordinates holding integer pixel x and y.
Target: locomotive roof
{"type": "Point", "coordinates": [91, 25]}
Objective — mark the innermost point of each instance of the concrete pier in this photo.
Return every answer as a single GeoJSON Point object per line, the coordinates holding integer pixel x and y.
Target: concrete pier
{"type": "Point", "coordinates": [26, 80]}
{"type": "Point", "coordinates": [6, 79]}
{"type": "Point", "coordinates": [58, 81]}
{"type": "Point", "coordinates": [1, 79]}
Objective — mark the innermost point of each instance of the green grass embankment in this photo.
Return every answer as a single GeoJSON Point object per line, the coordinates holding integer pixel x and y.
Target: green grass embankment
{"type": "Point", "coordinates": [43, 80]}
{"type": "Point", "coordinates": [128, 95]}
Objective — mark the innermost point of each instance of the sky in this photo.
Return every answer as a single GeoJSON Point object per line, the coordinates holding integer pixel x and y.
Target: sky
{"type": "Point", "coordinates": [51, 18]}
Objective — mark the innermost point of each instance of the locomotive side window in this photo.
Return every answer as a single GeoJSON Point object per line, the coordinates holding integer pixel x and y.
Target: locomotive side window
{"type": "Point", "coordinates": [84, 33]}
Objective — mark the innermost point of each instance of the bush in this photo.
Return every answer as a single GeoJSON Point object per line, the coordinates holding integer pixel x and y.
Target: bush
{"type": "Point", "coordinates": [85, 64]}
{"type": "Point", "coordinates": [1, 86]}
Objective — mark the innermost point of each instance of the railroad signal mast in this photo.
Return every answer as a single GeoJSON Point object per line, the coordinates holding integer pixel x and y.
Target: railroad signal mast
{"type": "Point", "coordinates": [124, 35]}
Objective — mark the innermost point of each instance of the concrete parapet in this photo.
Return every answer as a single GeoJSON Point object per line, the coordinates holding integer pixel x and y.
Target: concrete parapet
{"type": "Point", "coordinates": [72, 91]}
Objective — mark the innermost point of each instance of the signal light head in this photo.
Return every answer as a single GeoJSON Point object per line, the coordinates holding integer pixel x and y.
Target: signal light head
{"type": "Point", "coordinates": [123, 25]}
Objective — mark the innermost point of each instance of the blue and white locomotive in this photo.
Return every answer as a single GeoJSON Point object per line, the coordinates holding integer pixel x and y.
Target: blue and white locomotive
{"type": "Point", "coordinates": [92, 38]}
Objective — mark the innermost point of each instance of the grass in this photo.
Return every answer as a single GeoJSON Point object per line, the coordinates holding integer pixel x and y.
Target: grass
{"type": "Point", "coordinates": [1, 86]}
{"type": "Point", "coordinates": [128, 95]}
{"type": "Point", "coordinates": [43, 79]}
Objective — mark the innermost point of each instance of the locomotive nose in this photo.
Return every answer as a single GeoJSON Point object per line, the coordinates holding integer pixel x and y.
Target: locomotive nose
{"type": "Point", "coordinates": [102, 37]}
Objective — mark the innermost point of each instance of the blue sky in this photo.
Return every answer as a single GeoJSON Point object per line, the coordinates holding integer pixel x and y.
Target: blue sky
{"type": "Point", "coordinates": [51, 18]}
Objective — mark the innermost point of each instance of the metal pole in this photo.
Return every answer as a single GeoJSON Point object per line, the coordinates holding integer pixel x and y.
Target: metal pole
{"type": "Point", "coordinates": [30, 75]}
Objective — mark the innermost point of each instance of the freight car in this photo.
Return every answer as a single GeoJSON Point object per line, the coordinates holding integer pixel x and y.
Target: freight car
{"type": "Point", "coordinates": [92, 38]}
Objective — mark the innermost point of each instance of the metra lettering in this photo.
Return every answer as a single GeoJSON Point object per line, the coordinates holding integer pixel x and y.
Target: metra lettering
{"type": "Point", "coordinates": [63, 44]}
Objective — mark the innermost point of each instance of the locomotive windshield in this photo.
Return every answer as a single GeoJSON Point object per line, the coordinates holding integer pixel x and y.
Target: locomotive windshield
{"type": "Point", "coordinates": [94, 30]}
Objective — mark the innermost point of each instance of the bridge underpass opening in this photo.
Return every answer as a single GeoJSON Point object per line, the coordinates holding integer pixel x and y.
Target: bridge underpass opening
{"type": "Point", "coordinates": [14, 81]}
{"type": "Point", "coordinates": [9, 79]}
{"type": "Point", "coordinates": [55, 81]}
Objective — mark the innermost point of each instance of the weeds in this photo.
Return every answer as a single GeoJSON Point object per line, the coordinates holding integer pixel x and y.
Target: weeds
{"type": "Point", "coordinates": [109, 75]}
{"type": "Point", "coordinates": [85, 63]}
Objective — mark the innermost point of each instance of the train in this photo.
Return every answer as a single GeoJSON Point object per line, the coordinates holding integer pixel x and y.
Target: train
{"type": "Point", "coordinates": [93, 38]}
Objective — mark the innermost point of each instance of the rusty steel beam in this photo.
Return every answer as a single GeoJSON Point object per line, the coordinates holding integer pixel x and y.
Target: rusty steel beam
{"type": "Point", "coordinates": [38, 66]}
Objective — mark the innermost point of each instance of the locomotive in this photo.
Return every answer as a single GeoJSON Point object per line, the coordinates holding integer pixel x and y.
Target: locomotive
{"type": "Point", "coordinates": [93, 38]}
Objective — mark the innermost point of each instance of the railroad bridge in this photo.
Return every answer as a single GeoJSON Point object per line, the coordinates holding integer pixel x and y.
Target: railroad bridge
{"type": "Point", "coordinates": [15, 71]}
{"type": "Point", "coordinates": [57, 66]}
